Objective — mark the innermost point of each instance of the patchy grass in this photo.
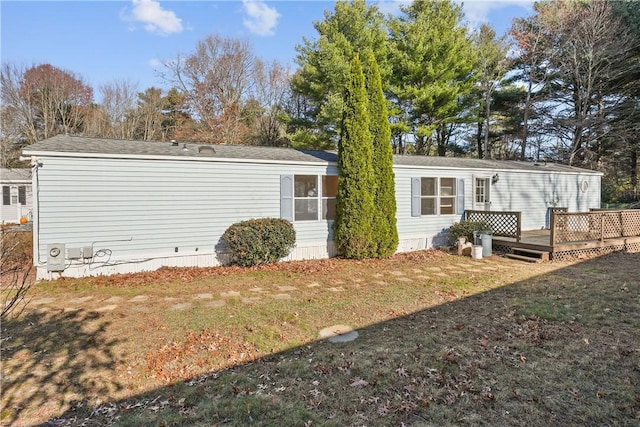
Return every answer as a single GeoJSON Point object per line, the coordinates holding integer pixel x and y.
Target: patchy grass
{"type": "Point", "coordinates": [442, 340]}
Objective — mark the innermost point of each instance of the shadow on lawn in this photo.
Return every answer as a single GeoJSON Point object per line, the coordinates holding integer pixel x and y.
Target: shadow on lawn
{"type": "Point", "coordinates": [562, 348]}
{"type": "Point", "coordinates": [50, 363]}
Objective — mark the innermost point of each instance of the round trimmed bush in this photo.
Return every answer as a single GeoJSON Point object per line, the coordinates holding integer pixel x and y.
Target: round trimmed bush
{"type": "Point", "coordinates": [260, 241]}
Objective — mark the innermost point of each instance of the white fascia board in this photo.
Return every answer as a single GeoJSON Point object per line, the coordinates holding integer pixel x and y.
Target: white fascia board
{"type": "Point", "coordinates": [43, 154]}
{"type": "Point", "coordinates": [493, 170]}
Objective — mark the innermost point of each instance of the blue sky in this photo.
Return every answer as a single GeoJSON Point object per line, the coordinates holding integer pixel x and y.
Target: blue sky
{"type": "Point", "coordinates": [106, 41]}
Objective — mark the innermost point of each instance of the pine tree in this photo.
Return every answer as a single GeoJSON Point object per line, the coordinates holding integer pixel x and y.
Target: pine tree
{"type": "Point", "coordinates": [354, 203]}
{"type": "Point", "coordinates": [384, 193]}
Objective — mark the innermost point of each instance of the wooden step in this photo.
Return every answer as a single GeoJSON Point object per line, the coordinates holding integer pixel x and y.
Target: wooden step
{"type": "Point", "coordinates": [523, 258]}
{"type": "Point", "coordinates": [531, 253]}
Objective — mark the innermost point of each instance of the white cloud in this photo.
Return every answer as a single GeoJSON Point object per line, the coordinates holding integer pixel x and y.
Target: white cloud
{"type": "Point", "coordinates": [154, 63]}
{"type": "Point", "coordinates": [261, 19]}
{"type": "Point", "coordinates": [155, 18]}
{"type": "Point", "coordinates": [476, 12]}
{"type": "Point", "coordinates": [391, 6]}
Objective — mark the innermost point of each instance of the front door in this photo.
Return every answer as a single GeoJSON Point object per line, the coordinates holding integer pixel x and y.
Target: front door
{"type": "Point", "coordinates": [482, 194]}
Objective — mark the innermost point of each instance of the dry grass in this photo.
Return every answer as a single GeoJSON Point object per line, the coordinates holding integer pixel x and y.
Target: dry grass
{"type": "Point", "coordinates": [443, 341]}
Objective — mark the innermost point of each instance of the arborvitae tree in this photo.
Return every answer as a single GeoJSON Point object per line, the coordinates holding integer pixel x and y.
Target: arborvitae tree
{"type": "Point", "coordinates": [384, 193]}
{"type": "Point", "coordinates": [354, 203]}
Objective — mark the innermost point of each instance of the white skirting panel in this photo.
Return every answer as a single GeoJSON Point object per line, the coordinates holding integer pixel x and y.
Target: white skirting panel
{"type": "Point", "coordinates": [106, 267]}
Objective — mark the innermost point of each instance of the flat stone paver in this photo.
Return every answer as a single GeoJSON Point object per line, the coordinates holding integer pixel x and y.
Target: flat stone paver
{"type": "Point", "coordinates": [378, 275]}
{"type": "Point", "coordinates": [80, 300]}
{"type": "Point", "coordinates": [338, 333]}
{"type": "Point", "coordinates": [337, 289]}
{"type": "Point", "coordinates": [110, 307]}
{"type": "Point", "coordinates": [43, 301]}
{"type": "Point", "coordinates": [423, 277]}
{"type": "Point", "coordinates": [404, 279]}
{"type": "Point", "coordinates": [417, 270]}
{"type": "Point", "coordinates": [287, 288]}
{"type": "Point", "coordinates": [112, 300]}
{"type": "Point", "coordinates": [258, 291]}
{"type": "Point", "coordinates": [170, 299]}
{"type": "Point", "coordinates": [397, 273]}
{"type": "Point", "coordinates": [282, 296]}
{"type": "Point", "coordinates": [181, 306]}
{"type": "Point", "coordinates": [230, 294]}
{"type": "Point", "coordinates": [442, 274]}
{"type": "Point", "coordinates": [216, 303]}
{"type": "Point", "coordinates": [203, 296]}
{"type": "Point", "coordinates": [139, 298]}
{"type": "Point", "coordinates": [313, 285]}
{"type": "Point", "coordinates": [434, 268]}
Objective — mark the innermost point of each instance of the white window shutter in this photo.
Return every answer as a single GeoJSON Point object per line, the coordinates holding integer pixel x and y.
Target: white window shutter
{"type": "Point", "coordinates": [286, 197]}
{"type": "Point", "coordinates": [416, 206]}
{"type": "Point", "coordinates": [460, 196]}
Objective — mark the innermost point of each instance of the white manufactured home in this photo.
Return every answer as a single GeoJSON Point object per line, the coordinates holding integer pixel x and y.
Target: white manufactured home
{"type": "Point", "coordinates": [105, 206]}
{"type": "Point", "coordinates": [16, 195]}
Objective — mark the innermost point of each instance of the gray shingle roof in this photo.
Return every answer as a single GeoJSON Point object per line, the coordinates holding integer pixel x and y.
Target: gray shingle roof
{"type": "Point", "coordinates": [15, 175]}
{"type": "Point", "coordinates": [61, 145]}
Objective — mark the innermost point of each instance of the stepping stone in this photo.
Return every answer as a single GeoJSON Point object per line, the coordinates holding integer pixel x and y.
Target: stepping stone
{"type": "Point", "coordinates": [80, 300]}
{"type": "Point", "coordinates": [423, 277]}
{"type": "Point", "coordinates": [287, 288]}
{"type": "Point", "coordinates": [203, 296]}
{"type": "Point", "coordinates": [313, 285]}
{"type": "Point", "coordinates": [107, 308]}
{"type": "Point", "coordinates": [417, 270]}
{"type": "Point", "coordinates": [338, 333]}
{"type": "Point", "coordinates": [181, 306]}
{"type": "Point", "coordinates": [404, 279]}
{"type": "Point", "coordinates": [442, 274]}
{"type": "Point", "coordinates": [113, 299]}
{"type": "Point", "coordinates": [282, 296]}
{"type": "Point", "coordinates": [397, 273]}
{"type": "Point", "coordinates": [139, 298]}
{"type": "Point", "coordinates": [230, 294]}
{"type": "Point", "coordinates": [170, 299]}
{"type": "Point", "coordinates": [378, 275]}
{"type": "Point", "coordinates": [251, 300]}
{"type": "Point", "coordinates": [43, 301]}
{"type": "Point", "coordinates": [338, 289]}
{"type": "Point", "coordinates": [216, 303]}
{"type": "Point", "coordinates": [434, 268]}
{"type": "Point", "coordinates": [259, 291]}
{"type": "Point", "coordinates": [70, 309]}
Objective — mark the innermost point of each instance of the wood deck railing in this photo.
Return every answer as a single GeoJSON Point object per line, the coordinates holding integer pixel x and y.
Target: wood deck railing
{"type": "Point", "coordinates": [595, 225]}
{"type": "Point", "coordinates": [502, 223]}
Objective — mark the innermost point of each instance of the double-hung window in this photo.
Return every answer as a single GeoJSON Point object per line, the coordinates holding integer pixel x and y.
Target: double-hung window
{"type": "Point", "coordinates": [308, 197]}
{"type": "Point", "coordinates": [435, 196]}
{"type": "Point", "coordinates": [14, 195]}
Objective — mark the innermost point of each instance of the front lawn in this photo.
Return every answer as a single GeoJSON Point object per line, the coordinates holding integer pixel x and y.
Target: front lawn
{"type": "Point", "coordinates": [443, 340]}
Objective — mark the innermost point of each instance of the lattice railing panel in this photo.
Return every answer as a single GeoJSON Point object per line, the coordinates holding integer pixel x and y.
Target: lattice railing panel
{"type": "Point", "coordinates": [505, 224]}
{"type": "Point", "coordinates": [595, 225]}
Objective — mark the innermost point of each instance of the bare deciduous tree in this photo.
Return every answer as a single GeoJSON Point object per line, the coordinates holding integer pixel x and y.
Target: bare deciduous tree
{"type": "Point", "coordinates": [216, 79]}
{"type": "Point", "coordinates": [15, 268]}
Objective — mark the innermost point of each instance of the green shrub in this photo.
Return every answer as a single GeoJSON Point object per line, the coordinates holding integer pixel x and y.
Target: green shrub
{"type": "Point", "coordinates": [260, 241]}
{"type": "Point", "coordinates": [466, 229]}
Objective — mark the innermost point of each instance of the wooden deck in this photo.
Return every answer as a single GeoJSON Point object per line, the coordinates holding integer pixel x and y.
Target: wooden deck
{"type": "Point", "coordinates": [571, 234]}
{"type": "Point", "coordinates": [540, 240]}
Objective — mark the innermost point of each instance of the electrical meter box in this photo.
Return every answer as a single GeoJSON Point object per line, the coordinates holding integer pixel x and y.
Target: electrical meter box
{"type": "Point", "coordinates": [55, 257]}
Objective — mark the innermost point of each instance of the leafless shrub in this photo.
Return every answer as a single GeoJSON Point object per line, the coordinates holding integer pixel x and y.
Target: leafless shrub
{"type": "Point", "coordinates": [15, 270]}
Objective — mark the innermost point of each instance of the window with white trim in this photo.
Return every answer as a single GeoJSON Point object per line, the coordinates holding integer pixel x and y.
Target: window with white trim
{"type": "Point", "coordinates": [438, 196]}
{"type": "Point", "coordinates": [314, 197]}
{"type": "Point", "coordinates": [14, 195]}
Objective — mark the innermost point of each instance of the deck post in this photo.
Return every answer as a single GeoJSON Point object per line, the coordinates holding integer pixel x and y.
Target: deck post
{"type": "Point", "coordinates": [519, 226]}
{"type": "Point", "coordinates": [552, 228]}
{"type": "Point", "coordinates": [602, 226]}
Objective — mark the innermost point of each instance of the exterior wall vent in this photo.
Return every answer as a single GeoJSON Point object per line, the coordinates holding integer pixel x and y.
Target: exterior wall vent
{"type": "Point", "coordinates": [206, 149]}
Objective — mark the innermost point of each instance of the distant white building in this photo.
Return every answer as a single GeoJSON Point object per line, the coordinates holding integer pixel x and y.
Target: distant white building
{"type": "Point", "coordinates": [105, 206]}
{"type": "Point", "coordinates": [16, 195]}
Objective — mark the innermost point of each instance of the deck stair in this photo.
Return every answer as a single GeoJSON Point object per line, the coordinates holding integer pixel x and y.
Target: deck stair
{"type": "Point", "coordinates": [529, 255]}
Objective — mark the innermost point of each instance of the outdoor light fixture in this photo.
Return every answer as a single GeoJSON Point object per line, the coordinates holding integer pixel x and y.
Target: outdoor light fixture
{"type": "Point", "coordinates": [495, 178]}
{"type": "Point", "coordinates": [184, 147]}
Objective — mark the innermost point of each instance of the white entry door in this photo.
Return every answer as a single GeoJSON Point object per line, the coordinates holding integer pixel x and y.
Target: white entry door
{"type": "Point", "coordinates": [482, 193]}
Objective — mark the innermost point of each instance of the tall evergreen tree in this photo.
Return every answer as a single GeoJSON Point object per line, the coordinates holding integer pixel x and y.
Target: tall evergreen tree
{"type": "Point", "coordinates": [352, 27]}
{"type": "Point", "coordinates": [354, 203]}
{"type": "Point", "coordinates": [384, 194]}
